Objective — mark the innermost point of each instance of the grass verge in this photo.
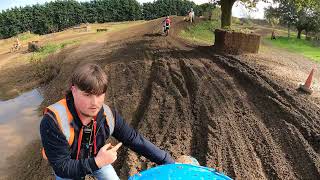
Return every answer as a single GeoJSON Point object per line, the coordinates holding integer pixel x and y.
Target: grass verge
{"type": "Point", "coordinates": [301, 46]}
{"type": "Point", "coordinates": [202, 32]}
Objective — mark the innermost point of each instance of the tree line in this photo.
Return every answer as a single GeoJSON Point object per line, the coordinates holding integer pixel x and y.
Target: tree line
{"type": "Point", "coordinates": [304, 15]}
{"type": "Point", "coordinates": [61, 14]}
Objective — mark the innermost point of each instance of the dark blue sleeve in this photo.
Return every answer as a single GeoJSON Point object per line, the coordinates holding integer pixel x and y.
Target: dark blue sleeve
{"type": "Point", "coordinates": [58, 152]}
{"type": "Point", "coordinates": [136, 142]}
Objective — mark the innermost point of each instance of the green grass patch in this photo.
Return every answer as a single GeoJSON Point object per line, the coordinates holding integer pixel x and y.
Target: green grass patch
{"type": "Point", "coordinates": [49, 49]}
{"type": "Point", "coordinates": [301, 46]}
{"type": "Point", "coordinates": [26, 36]}
{"type": "Point", "coordinates": [48, 69]}
{"type": "Point", "coordinates": [202, 32]}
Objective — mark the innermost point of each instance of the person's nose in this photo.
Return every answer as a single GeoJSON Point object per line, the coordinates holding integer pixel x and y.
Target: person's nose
{"type": "Point", "coordinates": [94, 100]}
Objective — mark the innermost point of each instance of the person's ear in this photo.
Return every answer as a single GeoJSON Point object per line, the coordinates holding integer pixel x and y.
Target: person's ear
{"type": "Point", "coordinates": [73, 89]}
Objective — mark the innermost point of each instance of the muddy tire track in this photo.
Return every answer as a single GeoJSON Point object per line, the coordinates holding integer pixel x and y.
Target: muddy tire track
{"type": "Point", "coordinates": [225, 113]}
{"type": "Point", "coordinates": [190, 100]}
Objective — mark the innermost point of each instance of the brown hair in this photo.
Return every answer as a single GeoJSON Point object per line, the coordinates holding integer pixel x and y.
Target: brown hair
{"type": "Point", "coordinates": [89, 78]}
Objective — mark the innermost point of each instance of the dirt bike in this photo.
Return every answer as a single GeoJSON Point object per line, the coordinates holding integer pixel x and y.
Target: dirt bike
{"type": "Point", "coordinates": [166, 30]}
{"type": "Point", "coordinates": [15, 47]}
{"type": "Point", "coordinates": [188, 169]}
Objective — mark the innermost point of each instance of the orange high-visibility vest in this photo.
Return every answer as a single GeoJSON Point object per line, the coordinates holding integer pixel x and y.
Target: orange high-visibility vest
{"type": "Point", "coordinates": [63, 117]}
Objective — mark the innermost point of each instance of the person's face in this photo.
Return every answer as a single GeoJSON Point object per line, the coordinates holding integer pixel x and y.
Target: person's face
{"type": "Point", "coordinates": [87, 104]}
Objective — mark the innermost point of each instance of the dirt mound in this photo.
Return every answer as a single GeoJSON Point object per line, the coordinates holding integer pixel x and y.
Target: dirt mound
{"type": "Point", "coordinates": [236, 42]}
{"type": "Point", "coordinates": [191, 101]}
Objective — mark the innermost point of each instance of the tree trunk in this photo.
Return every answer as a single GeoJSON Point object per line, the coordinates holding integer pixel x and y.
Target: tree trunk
{"type": "Point", "coordinates": [288, 31]}
{"type": "Point", "coordinates": [273, 35]}
{"type": "Point", "coordinates": [226, 12]}
{"type": "Point", "coordinates": [299, 33]}
{"type": "Point", "coordinates": [306, 35]}
{"type": "Point", "coordinates": [210, 14]}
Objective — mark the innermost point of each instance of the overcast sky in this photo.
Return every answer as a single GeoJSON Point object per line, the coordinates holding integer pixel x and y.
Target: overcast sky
{"type": "Point", "coordinates": [237, 11]}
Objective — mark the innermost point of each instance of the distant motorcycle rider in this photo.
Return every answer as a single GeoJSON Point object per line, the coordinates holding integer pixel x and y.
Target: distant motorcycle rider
{"type": "Point", "coordinates": [166, 24]}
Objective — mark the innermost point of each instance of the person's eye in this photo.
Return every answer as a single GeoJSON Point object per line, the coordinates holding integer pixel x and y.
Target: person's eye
{"type": "Point", "coordinates": [86, 94]}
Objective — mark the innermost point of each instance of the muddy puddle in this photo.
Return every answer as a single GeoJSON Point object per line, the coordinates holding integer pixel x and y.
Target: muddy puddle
{"type": "Point", "coordinates": [19, 125]}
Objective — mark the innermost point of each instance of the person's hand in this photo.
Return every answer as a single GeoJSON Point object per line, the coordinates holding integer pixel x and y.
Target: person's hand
{"type": "Point", "coordinates": [107, 154]}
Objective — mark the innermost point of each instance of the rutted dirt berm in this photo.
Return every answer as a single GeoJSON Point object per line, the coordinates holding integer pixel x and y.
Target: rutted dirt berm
{"type": "Point", "coordinates": [190, 100]}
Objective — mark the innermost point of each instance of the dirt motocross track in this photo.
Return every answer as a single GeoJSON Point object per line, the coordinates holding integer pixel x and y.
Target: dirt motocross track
{"type": "Point", "coordinates": [190, 100]}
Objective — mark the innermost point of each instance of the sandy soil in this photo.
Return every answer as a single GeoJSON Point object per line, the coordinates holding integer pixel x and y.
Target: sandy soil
{"type": "Point", "coordinates": [230, 112]}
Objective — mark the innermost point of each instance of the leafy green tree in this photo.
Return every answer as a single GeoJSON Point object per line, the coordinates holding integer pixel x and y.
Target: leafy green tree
{"type": "Point", "coordinates": [302, 14]}
{"type": "Point", "coordinates": [226, 9]}
{"type": "Point", "coordinates": [206, 9]}
{"type": "Point", "coordinates": [61, 14]}
{"type": "Point", "coordinates": [161, 8]}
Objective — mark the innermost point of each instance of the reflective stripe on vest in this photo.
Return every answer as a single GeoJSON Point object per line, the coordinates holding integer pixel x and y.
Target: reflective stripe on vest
{"type": "Point", "coordinates": [109, 117]}
{"type": "Point", "coordinates": [64, 119]}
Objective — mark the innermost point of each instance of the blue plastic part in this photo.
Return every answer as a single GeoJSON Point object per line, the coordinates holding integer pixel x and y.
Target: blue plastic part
{"type": "Point", "coordinates": [179, 172]}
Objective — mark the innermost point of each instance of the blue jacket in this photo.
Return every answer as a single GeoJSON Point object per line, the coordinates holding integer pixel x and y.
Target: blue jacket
{"type": "Point", "coordinates": [62, 157]}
